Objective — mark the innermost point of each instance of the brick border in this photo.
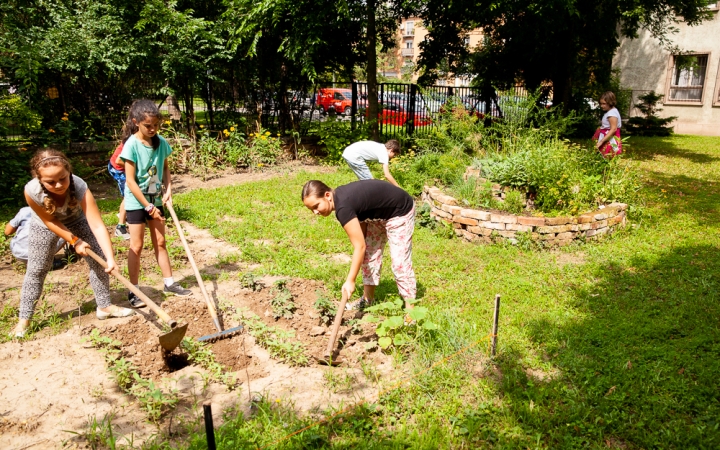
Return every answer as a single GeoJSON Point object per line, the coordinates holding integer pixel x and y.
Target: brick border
{"type": "Point", "coordinates": [480, 225]}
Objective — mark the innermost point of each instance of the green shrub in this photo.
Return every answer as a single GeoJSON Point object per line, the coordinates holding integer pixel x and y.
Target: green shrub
{"type": "Point", "coordinates": [412, 172]}
{"type": "Point", "coordinates": [337, 135]}
{"type": "Point", "coordinates": [14, 174]}
{"type": "Point", "coordinates": [16, 117]}
{"type": "Point", "coordinates": [651, 124]}
{"type": "Point", "coordinates": [514, 202]}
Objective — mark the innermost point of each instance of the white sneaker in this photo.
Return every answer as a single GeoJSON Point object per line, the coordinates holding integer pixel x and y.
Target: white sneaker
{"type": "Point", "coordinates": [119, 312]}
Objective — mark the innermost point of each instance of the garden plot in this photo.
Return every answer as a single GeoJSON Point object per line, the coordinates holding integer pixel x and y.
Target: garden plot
{"type": "Point", "coordinates": [66, 384]}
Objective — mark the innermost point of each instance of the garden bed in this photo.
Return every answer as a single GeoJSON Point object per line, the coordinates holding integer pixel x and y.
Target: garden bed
{"type": "Point", "coordinates": [480, 225]}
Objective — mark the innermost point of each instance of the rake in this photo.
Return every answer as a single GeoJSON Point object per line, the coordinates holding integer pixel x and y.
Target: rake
{"type": "Point", "coordinates": [210, 304]}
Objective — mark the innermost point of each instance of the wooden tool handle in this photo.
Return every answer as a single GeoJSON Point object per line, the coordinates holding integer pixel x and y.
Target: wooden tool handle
{"type": "Point", "coordinates": [336, 324]}
{"type": "Point", "coordinates": [151, 304]}
{"type": "Point", "coordinates": [208, 300]}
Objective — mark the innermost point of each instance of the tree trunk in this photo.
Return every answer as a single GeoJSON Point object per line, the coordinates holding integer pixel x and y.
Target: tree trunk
{"type": "Point", "coordinates": [284, 118]}
{"type": "Point", "coordinates": [372, 72]}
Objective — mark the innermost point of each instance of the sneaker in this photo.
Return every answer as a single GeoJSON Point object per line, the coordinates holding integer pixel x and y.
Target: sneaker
{"type": "Point", "coordinates": [122, 231]}
{"type": "Point", "coordinates": [358, 305]}
{"type": "Point", "coordinates": [118, 312]}
{"type": "Point", "coordinates": [135, 301]}
{"type": "Point", "coordinates": [176, 289]}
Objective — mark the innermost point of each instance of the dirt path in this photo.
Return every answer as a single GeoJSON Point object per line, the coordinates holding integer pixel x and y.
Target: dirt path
{"type": "Point", "coordinates": [54, 384]}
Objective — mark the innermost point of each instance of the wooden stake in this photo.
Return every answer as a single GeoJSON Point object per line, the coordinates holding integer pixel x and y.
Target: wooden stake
{"type": "Point", "coordinates": [496, 316]}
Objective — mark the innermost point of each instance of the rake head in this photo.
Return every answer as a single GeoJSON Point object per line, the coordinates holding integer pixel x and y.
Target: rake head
{"type": "Point", "coordinates": [221, 335]}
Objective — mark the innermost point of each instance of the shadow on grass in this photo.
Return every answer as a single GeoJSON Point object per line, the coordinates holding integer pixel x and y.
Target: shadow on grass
{"type": "Point", "coordinates": [640, 370]}
{"type": "Point", "coordinates": [643, 149]}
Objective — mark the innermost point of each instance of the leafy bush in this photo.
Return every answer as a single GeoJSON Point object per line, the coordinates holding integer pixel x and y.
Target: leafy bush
{"type": "Point", "coordinates": [412, 172]}
{"type": "Point", "coordinates": [14, 174]}
{"type": "Point", "coordinates": [337, 135]}
{"type": "Point", "coordinates": [651, 124]}
{"type": "Point", "coordinates": [397, 326]}
{"type": "Point", "coordinates": [17, 118]}
{"type": "Point", "coordinates": [564, 177]}
{"type": "Point", "coordinates": [229, 148]}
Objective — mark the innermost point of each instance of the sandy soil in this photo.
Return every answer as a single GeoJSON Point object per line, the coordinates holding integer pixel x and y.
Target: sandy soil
{"type": "Point", "coordinates": [53, 385]}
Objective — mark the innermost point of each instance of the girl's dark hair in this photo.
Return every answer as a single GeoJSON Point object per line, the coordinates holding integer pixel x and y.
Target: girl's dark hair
{"type": "Point", "coordinates": [314, 188]}
{"type": "Point", "coordinates": [609, 98]}
{"type": "Point", "coordinates": [139, 110]}
{"type": "Point", "coordinates": [52, 157]}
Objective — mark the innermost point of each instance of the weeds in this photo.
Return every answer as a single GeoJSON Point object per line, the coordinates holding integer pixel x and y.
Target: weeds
{"type": "Point", "coordinates": [338, 381]}
{"type": "Point", "coordinates": [199, 353]}
{"type": "Point", "coordinates": [278, 342]}
{"type": "Point", "coordinates": [151, 398]}
{"type": "Point", "coordinates": [248, 281]}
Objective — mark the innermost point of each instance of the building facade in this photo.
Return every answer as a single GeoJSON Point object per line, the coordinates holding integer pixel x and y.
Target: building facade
{"type": "Point", "coordinates": [689, 80]}
{"type": "Point", "coordinates": [410, 34]}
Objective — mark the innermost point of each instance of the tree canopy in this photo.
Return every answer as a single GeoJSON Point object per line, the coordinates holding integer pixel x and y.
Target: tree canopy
{"type": "Point", "coordinates": [566, 44]}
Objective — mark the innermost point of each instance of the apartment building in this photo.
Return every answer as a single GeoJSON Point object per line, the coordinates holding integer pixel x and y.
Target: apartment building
{"type": "Point", "coordinates": [689, 79]}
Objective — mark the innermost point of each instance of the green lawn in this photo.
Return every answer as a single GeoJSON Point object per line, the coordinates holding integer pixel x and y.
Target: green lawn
{"type": "Point", "coordinates": [610, 344]}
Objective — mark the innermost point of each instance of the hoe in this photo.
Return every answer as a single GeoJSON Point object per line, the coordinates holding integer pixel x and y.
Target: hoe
{"type": "Point", "coordinates": [168, 340]}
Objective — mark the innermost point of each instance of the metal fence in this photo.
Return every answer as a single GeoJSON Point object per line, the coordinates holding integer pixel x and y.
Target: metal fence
{"type": "Point", "coordinates": [404, 109]}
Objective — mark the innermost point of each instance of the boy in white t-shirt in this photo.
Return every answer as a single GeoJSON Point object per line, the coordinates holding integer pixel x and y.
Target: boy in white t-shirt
{"type": "Point", "coordinates": [358, 154]}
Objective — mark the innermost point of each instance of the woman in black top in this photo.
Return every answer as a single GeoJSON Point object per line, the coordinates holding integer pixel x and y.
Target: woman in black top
{"type": "Point", "coordinates": [372, 212]}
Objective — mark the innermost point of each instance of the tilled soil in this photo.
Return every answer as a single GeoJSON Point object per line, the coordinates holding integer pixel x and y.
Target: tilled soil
{"type": "Point", "coordinates": [139, 335]}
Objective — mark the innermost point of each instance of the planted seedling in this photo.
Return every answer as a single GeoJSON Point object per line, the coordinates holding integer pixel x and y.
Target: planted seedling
{"type": "Point", "coordinates": [282, 304]}
{"type": "Point", "coordinates": [325, 307]}
{"type": "Point", "coordinates": [248, 281]}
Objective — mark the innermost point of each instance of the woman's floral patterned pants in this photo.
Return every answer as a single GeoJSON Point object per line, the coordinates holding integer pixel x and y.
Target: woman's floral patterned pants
{"type": "Point", "coordinates": [398, 232]}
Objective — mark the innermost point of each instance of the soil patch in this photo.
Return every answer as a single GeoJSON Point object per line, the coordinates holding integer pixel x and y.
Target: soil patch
{"type": "Point", "coordinates": [139, 335]}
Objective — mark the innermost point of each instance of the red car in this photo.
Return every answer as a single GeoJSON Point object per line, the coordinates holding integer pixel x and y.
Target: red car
{"type": "Point", "coordinates": [394, 113]}
{"type": "Point", "coordinates": [333, 99]}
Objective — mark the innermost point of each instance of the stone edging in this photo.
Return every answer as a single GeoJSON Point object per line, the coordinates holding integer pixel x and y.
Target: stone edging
{"type": "Point", "coordinates": [483, 226]}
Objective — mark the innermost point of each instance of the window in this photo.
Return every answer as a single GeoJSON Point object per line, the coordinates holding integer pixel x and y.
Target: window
{"type": "Point", "coordinates": [467, 41]}
{"type": "Point", "coordinates": [409, 28]}
{"type": "Point", "coordinates": [408, 44]}
{"type": "Point", "coordinates": [687, 78]}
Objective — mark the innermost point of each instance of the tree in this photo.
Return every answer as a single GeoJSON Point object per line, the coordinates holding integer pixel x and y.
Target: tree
{"type": "Point", "coordinates": [651, 124]}
{"type": "Point", "coordinates": [568, 44]}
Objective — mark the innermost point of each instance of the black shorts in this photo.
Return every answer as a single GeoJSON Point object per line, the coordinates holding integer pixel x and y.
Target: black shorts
{"type": "Point", "coordinates": [138, 216]}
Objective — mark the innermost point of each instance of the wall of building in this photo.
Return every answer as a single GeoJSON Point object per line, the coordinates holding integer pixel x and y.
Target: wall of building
{"type": "Point", "coordinates": [411, 56]}
{"type": "Point", "coordinates": [645, 65]}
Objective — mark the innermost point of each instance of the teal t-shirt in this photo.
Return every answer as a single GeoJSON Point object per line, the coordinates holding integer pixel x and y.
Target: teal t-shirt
{"type": "Point", "coordinates": [149, 165]}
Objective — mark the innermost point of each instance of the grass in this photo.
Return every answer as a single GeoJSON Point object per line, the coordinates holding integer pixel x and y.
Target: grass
{"type": "Point", "coordinates": [607, 344]}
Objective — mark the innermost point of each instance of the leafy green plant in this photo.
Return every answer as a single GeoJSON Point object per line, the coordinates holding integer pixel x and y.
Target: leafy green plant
{"type": "Point", "coordinates": [336, 135]}
{"type": "Point", "coordinates": [325, 307]}
{"type": "Point", "coordinates": [282, 304]}
{"type": "Point", "coordinates": [151, 398]}
{"type": "Point", "coordinates": [248, 281]}
{"type": "Point", "coordinates": [200, 353]}
{"type": "Point", "coordinates": [397, 326]}
{"type": "Point", "coordinates": [278, 342]}
{"type": "Point", "coordinates": [514, 201]}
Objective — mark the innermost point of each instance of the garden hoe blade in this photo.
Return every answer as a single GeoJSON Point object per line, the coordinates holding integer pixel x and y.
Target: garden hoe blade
{"type": "Point", "coordinates": [173, 338]}
{"type": "Point", "coordinates": [168, 340]}
{"type": "Point", "coordinates": [328, 359]}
